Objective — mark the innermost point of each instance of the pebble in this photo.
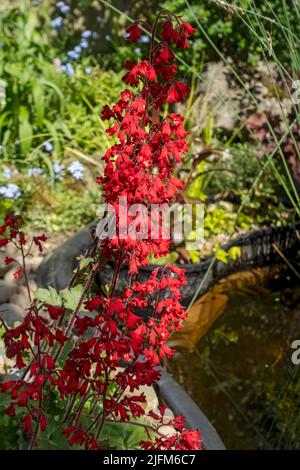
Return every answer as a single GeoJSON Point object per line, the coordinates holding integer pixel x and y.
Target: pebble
{"type": "Point", "coordinates": [166, 431]}
{"type": "Point", "coordinates": [167, 417]}
{"type": "Point", "coordinates": [9, 276]}
{"type": "Point", "coordinates": [7, 290]}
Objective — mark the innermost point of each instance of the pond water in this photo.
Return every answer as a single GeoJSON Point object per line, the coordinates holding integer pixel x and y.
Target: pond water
{"type": "Point", "coordinates": [237, 365]}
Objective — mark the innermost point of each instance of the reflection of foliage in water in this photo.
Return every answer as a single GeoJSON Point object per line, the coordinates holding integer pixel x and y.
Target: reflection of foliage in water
{"type": "Point", "coordinates": [276, 414]}
{"type": "Point", "coordinates": [241, 373]}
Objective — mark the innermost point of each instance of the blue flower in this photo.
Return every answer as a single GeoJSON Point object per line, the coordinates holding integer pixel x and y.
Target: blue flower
{"type": "Point", "coordinates": [84, 44]}
{"type": "Point", "coordinates": [107, 37]}
{"type": "Point", "coordinates": [69, 69]}
{"type": "Point", "coordinates": [86, 34]}
{"type": "Point", "coordinates": [144, 39]}
{"type": "Point", "coordinates": [48, 146]}
{"type": "Point", "coordinates": [73, 55]}
{"type": "Point", "coordinates": [10, 191]}
{"type": "Point", "coordinates": [35, 171]}
{"type": "Point", "coordinates": [77, 170]}
{"type": "Point", "coordinates": [64, 9]}
{"type": "Point", "coordinates": [88, 70]}
{"type": "Point", "coordinates": [57, 22]}
{"type": "Point", "coordinates": [58, 168]}
{"type": "Point", "coordinates": [77, 49]}
{"type": "Point", "coordinates": [7, 173]}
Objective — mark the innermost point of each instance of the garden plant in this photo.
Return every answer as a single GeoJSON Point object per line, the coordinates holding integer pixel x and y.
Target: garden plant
{"type": "Point", "coordinates": [80, 358]}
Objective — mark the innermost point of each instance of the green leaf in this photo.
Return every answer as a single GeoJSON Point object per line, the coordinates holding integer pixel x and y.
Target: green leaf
{"type": "Point", "coordinates": [71, 296]}
{"type": "Point", "coordinates": [124, 436]}
{"type": "Point", "coordinates": [65, 351]}
{"type": "Point", "coordinates": [48, 296]}
{"type": "Point", "coordinates": [221, 255]}
{"type": "Point", "coordinates": [2, 92]}
{"type": "Point", "coordinates": [195, 256]}
{"type": "Point", "coordinates": [58, 92]}
{"type": "Point", "coordinates": [170, 258]}
{"type": "Point", "coordinates": [48, 162]}
{"type": "Point", "coordinates": [25, 130]}
{"type": "Point", "coordinates": [4, 118]}
{"type": "Point", "coordinates": [39, 100]}
{"type": "Point", "coordinates": [57, 442]}
{"type": "Point", "coordinates": [234, 252]}
{"type": "Point", "coordinates": [30, 25]}
{"type": "Point", "coordinates": [84, 262]}
{"type": "Point", "coordinates": [65, 129]}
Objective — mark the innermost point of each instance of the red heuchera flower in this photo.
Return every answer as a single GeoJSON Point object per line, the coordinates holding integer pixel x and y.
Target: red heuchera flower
{"type": "Point", "coordinates": [37, 241]}
{"type": "Point", "coordinates": [134, 32]}
{"type": "Point", "coordinates": [115, 350]}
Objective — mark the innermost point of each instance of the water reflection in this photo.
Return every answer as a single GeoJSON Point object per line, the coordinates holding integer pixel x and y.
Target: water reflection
{"type": "Point", "coordinates": [234, 358]}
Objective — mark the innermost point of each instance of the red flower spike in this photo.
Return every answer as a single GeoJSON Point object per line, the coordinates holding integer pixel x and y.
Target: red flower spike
{"type": "Point", "coordinates": [55, 312]}
{"type": "Point", "coordinates": [27, 424]}
{"type": "Point", "coordinates": [4, 241]}
{"type": "Point", "coordinates": [18, 273]}
{"type": "Point", "coordinates": [187, 28]}
{"type": "Point", "coordinates": [107, 113]}
{"type": "Point", "coordinates": [43, 423]}
{"type": "Point", "coordinates": [177, 92]}
{"type": "Point", "coordinates": [134, 33]}
{"type": "Point", "coordinates": [22, 239]}
{"type": "Point", "coordinates": [37, 241]}
{"type": "Point", "coordinates": [139, 166]}
{"type": "Point", "coordinates": [12, 220]}
{"type": "Point", "coordinates": [11, 410]}
{"type": "Point", "coordinates": [93, 304]}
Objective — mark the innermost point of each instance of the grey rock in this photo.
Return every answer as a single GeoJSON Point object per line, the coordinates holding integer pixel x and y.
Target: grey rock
{"type": "Point", "coordinates": [7, 290]}
{"type": "Point", "coordinates": [21, 300]}
{"type": "Point", "coordinates": [11, 313]}
{"type": "Point", "coordinates": [57, 268]}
